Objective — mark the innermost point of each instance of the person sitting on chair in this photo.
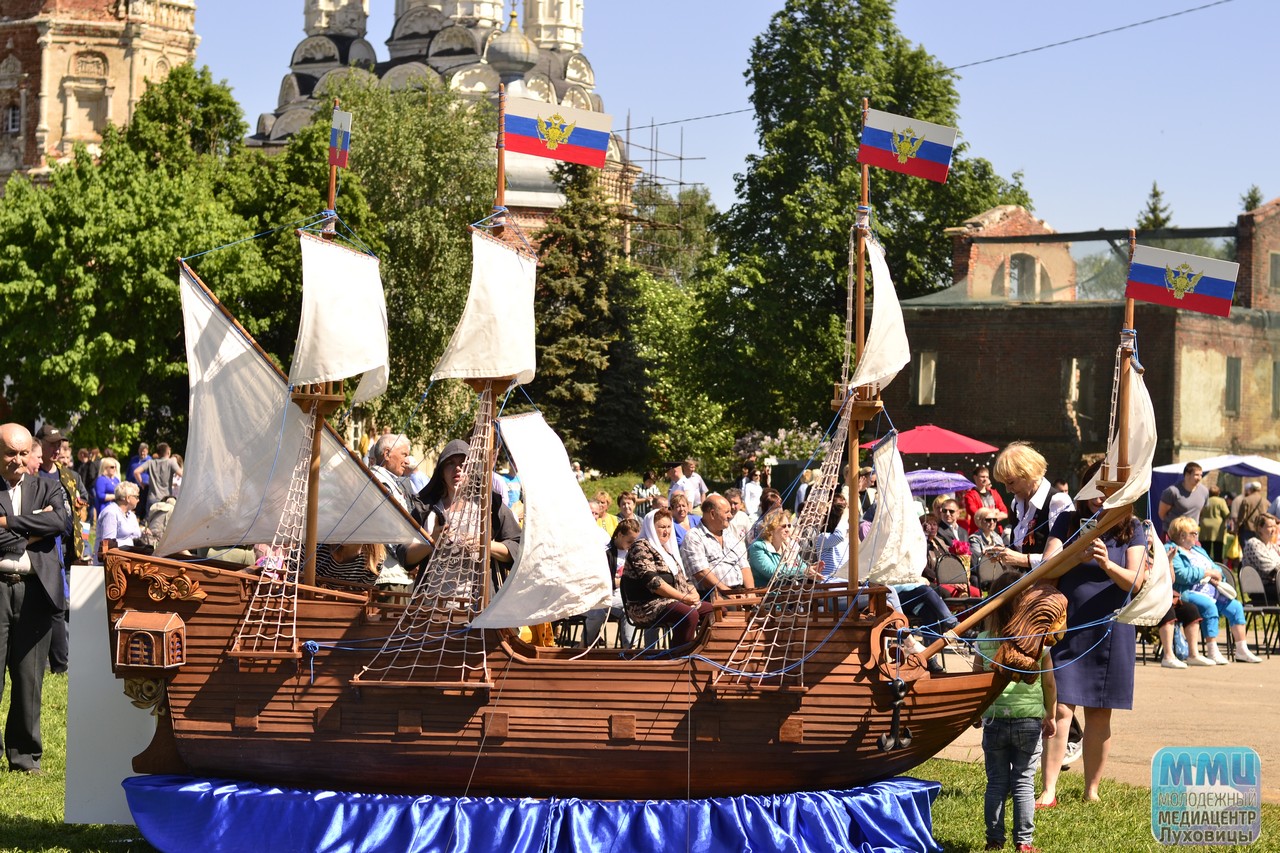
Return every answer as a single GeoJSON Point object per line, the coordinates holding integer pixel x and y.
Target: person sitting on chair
{"type": "Point", "coordinates": [654, 588]}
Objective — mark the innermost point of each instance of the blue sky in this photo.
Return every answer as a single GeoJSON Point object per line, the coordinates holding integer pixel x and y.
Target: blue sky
{"type": "Point", "coordinates": [1189, 102]}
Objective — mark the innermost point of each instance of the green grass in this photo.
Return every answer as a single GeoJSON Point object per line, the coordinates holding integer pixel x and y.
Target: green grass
{"type": "Point", "coordinates": [614, 484]}
{"type": "Point", "coordinates": [1119, 824]}
{"type": "Point", "coordinates": [31, 807]}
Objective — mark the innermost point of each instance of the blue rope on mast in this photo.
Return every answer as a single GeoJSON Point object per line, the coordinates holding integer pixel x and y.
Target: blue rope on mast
{"type": "Point", "coordinates": [487, 223]}
{"type": "Point", "coordinates": [297, 224]}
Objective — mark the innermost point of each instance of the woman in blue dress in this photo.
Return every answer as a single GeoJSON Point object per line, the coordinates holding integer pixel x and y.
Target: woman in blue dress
{"type": "Point", "coordinates": [1093, 664]}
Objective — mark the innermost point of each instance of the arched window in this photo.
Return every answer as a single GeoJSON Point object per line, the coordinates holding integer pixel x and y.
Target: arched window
{"type": "Point", "coordinates": [142, 650]}
{"type": "Point", "coordinates": [13, 119]}
{"type": "Point", "coordinates": [1022, 277]}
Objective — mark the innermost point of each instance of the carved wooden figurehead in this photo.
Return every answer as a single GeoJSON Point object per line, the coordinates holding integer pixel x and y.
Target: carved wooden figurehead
{"type": "Point", "coordinates": [1040, 617]}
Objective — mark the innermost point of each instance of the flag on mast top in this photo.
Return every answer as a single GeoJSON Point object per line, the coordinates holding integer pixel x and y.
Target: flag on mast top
{"type": "Point", "coordinates": [918, 148]}
{"type": "Point", "coordinates": [340, 139]}
{"type": "Point", "coordinates": [1180, 280]}
{"type": "Point", "coordinates": [557, 132]}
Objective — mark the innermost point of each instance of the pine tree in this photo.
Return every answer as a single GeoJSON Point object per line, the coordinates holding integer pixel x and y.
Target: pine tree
{"type": "Point", "coordinates": [1156, 214]}
{"type": "Point", "coordinates": [575, 326]}
{"type": "Point", "coordinates": [1252, 198]}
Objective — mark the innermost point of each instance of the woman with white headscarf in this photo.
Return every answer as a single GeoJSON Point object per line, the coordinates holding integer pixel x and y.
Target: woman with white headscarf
{"type": "Point", "coordinates": [655, 590]}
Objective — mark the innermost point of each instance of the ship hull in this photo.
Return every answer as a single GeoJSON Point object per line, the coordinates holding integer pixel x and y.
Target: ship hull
{"type": "Point", "coordinates": [545, 722]}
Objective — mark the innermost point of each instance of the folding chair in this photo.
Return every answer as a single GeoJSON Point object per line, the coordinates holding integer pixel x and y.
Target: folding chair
{"type": "Point", "coordinates": [953, 572]}
{"type": "Point", "coordinates": [988, 571]}
{"type": "Point", "coordinates": [1254, 590]}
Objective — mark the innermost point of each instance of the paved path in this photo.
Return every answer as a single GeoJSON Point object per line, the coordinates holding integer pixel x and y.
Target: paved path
{"type": "Point", "coordinates": [1232, 705]}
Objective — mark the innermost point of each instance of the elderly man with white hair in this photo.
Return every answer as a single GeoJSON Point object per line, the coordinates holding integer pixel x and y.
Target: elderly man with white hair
{"type": "Point", "coordinates": [388, 460]}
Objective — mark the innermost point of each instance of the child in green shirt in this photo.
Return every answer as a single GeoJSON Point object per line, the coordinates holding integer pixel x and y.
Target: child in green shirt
{"type": "Point", "coordinates": [1011, 733]}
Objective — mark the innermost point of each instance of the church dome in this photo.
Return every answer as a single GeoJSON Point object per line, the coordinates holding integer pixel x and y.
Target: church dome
{"type": "Point", "coordinates": [511, 54]}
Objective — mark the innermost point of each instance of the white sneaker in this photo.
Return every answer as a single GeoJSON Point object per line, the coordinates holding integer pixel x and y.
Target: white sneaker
{"type": "Point", "coordinates": [1217, 658]}
{"type": "Point", "coordinates": [1172, 663]}
{"type": "Point", "coordinates": [1246, 656]}
{"type": "Point", "coordinates": [1075, 750]}
{"type": "Point", "coordinates": [1199, 661]}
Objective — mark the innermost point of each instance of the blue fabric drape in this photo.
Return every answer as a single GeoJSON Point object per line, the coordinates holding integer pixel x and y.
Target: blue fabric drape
{"type": "Point", "coordinates": [182, 813]}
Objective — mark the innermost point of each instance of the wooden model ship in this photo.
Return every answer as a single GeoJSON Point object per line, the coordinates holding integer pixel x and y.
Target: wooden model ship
{"type": "Point", "coordinates": [262, 675]}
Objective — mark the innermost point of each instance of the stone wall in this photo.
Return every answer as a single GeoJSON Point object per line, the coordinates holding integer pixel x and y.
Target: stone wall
{"type": "Point", "coordinates": [1258, 252]}
{"type": "Point", "coordinates": [1025, 271]}
{"type": "Point", "coordinates": [1008, 372]}
{"type": "Point", "coordinates": [72, 66]}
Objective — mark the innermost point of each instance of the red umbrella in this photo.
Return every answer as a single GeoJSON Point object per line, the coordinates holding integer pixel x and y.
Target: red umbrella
{"type": "Point", "coordinates": [934, 439]}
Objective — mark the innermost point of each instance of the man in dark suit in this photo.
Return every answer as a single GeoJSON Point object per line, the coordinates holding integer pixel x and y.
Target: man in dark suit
{"type": "Point", "coordinates": [30, 589]}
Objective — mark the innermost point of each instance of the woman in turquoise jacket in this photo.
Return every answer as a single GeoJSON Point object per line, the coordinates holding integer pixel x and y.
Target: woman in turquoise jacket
{"type": "Point", "coordinates": [1196, 578]}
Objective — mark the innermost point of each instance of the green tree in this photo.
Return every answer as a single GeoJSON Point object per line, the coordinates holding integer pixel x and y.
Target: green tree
{"type": "Point", "coordinates": [1156, 214]}
{"type": "Point", "coordinates": [90, 305]}
{"type": "Point", "coordinates": [686, 419]}
{"type": "Point", "coordinates": [808, 72]}
{"type": "Point", "coordinates": [622, 419]}
{"type": "Point", "coordinates": [184, 118]}
{"type": "Point", "coordinates": [1252, 198]}
{"type": "Point", "coordinates": [575, 326]}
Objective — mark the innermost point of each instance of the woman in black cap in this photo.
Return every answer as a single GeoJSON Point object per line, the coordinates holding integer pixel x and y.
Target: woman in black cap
{"type": "Point", "coordinates": [436, 503]}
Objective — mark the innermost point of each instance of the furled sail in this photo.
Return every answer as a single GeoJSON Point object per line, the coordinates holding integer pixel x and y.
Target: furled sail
{"type": "Point", "coordinates": [1154, 598]}
{"type": "Point", "coordinates": [243, 438]}
{"type": "Point", "coordinates": [886, 351]}
{"type": "Point", "coordinates": [895, 548]}
{"type": "Point", "coordinates": [562, 569]}
{"type": "Point", "coordinates": [1142, 448]}
{"type": "Point", "coordinates": [494, 338]}
{"type": "Point", "coordinates": [343, 328]}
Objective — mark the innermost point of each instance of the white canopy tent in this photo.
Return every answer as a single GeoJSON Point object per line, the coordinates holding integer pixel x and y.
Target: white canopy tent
{"type": "Point", "coordinates": [1242, 466]}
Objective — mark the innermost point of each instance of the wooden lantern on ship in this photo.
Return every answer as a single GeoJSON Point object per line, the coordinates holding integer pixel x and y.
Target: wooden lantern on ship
{"type": "Point", "coordinates": [150, 641]}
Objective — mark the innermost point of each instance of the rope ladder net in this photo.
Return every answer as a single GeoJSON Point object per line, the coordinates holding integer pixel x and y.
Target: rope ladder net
{"type": "Point", "coordinates": [773, 648]}
{"type": "Point", "coordinates": [433, 642]}
{"type": "Point", "coordinates": [269, 625]}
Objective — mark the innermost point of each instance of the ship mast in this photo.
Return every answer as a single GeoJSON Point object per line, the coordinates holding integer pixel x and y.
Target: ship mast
{"type": "Point", "coordinates": [865, 403]}
{"type": "Point", "coordinates": [320, 400]}
{"type": "Point", "coordinates": [486, 386]}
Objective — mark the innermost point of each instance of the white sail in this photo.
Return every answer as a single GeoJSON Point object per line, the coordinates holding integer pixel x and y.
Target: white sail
{"type": "Point", "coordinates": [895, 548]}
{"type": "Point", "coordinates": [243, 439]}
{"type": "Point", "coordinates": [343, 328]}
{"type": "Point", "coordinates": [562, 569]}
{"type": "Point", "coordinates": [494, 338]}
{"type": "Point", "coordinates": [886, 351]}
{"type": "Point", "coordinates": [1142, 448]}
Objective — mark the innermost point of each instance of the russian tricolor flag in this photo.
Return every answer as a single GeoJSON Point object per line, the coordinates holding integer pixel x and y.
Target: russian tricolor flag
{"type": "Point", "coordinates": [557, 132]}
{"type": "Point", "coordinates": [340, 139]}
{"type": "Point", "coordinates": [1180, 280]}
{"type": "Point", "coordinates": [907, 145]}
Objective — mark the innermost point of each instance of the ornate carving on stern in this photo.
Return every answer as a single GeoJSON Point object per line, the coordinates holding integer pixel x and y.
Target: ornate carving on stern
{"type": "Point", "coordinates": [147, 642]}
{"type": "Point", "coordinates": [163, 581]}
{"type": "Point", "coordinates": [146, 693]}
